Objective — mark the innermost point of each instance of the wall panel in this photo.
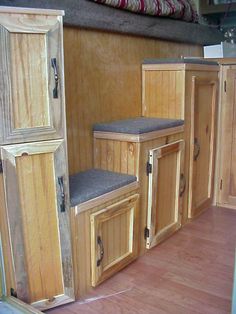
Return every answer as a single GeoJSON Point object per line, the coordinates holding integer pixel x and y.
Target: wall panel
{"type": "Point", "coordinates": [103, 82]}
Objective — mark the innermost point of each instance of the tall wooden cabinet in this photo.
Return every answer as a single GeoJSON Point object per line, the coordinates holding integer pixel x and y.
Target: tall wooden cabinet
{"type": "Point", "coordinates": [226, 178]}
{"type": "Point", "coordinates": [34, 178]}
{"type": "Point", "coordinates": [187, 89]}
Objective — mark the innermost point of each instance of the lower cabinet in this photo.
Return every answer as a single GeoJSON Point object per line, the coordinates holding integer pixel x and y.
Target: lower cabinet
{"type": "Point", "coordinates": [165, 187]}
{"type": "Point", "coordinates": [37, 208]}
{"type": "Point", "coordinates": [113, 233]}
{"type": "Point", "coordinates": [105, 238]}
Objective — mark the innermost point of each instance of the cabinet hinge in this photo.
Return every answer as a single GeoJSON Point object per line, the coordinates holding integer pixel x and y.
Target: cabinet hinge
{"type": "Point", "coordinates": [225, 86]}
{"type": "Point", "coordinates": [221, 184]}
{"type": "Point", "coordinates": [13, 293]}
{"type": "Point", "coordinates": [148, 168]}
{"type": "Point", "coordinates": [1, 167]}
{"type": "Point", "coordinates": [146, 233]}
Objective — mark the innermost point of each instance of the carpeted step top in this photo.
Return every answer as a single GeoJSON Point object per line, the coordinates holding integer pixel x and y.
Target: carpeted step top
{"type": "Point", "coordinates": [138, 125]}
{"type": "Point", "coordinates": [92, 183]}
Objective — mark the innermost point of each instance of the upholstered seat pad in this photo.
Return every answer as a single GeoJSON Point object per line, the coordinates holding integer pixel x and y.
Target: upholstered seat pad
{"type": "Point", "coordinates": [179, 60]}
{"type": "Point", "coordinates": [137, 125]}
{"type": "Point", "coordinates": [92, 183]}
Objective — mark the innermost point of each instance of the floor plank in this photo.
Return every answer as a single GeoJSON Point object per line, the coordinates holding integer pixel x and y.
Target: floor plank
{"type": "Point", "coordinates": [191, 272]}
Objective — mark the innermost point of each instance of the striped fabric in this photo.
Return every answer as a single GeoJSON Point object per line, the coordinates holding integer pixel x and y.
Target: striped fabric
{"type": "Point", "coordinates": [178, 9]}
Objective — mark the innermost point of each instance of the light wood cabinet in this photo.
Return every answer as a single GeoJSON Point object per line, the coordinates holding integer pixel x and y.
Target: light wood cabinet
{"type": "Point", "coordinates": [114, 244]}
{"type": "Point", "coordinates": [33, 163]}
{"type": "Point", "coordinates": [31, 69]}
{"type": "Point", "coordinates": [37, 204]}
{"type": "Point", "coordinates": [187, 91]}
{"type": "Point", "coordinates": [165, 187]}
{"type": "Point", "coordinates": [105, 236]}
{"type": "Point", "coordinates": [226, 178]}
{"type": "Point", "coordinates": [129, 153]}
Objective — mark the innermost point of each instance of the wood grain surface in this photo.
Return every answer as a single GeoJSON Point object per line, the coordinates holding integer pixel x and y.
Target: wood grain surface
{"type": "Point", "coordinates": [103, 82]}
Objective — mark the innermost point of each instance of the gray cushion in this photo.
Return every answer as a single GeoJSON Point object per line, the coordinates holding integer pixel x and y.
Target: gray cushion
{"type": "Point", "coordinates": [89, 184]}
{"type": "Point", "coordinates": [137, 125]}
{"type": "Point", "coordinates": [180, 60]}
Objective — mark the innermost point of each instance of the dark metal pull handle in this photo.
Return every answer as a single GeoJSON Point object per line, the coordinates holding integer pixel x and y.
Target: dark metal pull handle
{"type": "Point", "coordinates": [62, 195]}
{"type": "Point", "coordinates": [196, 151]}
{"type": "Point", "coordinates": [182, 186]}
{"type": "Point", "coordinates": [56, 77]}
{"type": "Point", "coordinates": [99, 241]}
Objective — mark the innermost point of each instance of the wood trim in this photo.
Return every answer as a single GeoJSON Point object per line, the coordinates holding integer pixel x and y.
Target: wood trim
{"type": "Point", "coordinates": [180, 67]}
{"type": "Point", "coordinates": [197, 81]}
{"type": "Point", "coordinates": [32, 148]}
{"type": "Point", "coordinates": [138, 138]}
{"type": "Point", "coordinates": [21, 305]}
{"type": "Point", "coordinates": [97, 201]}
{"type": "Point", "coordinates": [57, 301]}
{"type": "Point", "coordinates": [15, 10]}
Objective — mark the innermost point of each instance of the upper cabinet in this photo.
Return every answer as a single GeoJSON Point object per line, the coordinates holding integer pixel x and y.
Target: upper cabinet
{"type": "Point", "coordinates": [31, 70]}
{"type": "Point", "coordinates": [187, 89]}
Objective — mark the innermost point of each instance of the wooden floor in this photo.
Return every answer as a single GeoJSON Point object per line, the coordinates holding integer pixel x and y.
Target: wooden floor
{"type": "Point", "coordinates": [191, 272]}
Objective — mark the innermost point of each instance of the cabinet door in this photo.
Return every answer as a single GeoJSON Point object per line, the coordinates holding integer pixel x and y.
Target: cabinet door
{"type": "Point", "coordinates": [204, 96]}
{"type": "Point", "coordinates": [114, 236]}
{"type": "Point", "coordinates": [35, 183]}
{"type": "Point", "coordinates": [31, 78]}
{"type": "Point", "coordinates": [227, 191]}
{"type": "Point", "coordinates": [166, 185]}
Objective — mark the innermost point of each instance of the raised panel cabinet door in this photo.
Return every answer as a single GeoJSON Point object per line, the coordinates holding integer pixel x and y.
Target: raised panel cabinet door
{"type": "Point", "coordinates": [227, 149]}
{"type": "Point", "coordinates": [114, 238]}
{"type": "Point", "coordinates": [165, 189]}
{"type": "Point", "coordinates": [31, 78]}
{"type": "Point", "coordinates": [37, 204]}
{"type": "Point", "coordinates": [203, 106]}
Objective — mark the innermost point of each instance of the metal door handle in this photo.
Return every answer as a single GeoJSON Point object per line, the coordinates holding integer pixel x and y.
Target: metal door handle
{"type": "Point", "coordinates": [62, 195]}
{"type": "Point", "coordinates": [196, 151]}
{"type": "Point", "coordinates": [100, 244]}
{"type": "Point", "coordinates": [56, 77]}
{"type": "Point", "coordinates": [182, 185]}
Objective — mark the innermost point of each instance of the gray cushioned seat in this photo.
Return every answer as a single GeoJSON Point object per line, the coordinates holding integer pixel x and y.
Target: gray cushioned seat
{"type": "Point", "coordinates": [92, 183]}
{"type": "Point", "coordinates": [179, 60]}
{"type": "Point", "coordinates": [137, 125]}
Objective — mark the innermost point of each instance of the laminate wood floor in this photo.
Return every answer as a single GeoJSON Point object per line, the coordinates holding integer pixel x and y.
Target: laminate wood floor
{"type": "Point", "coordinates": [191, 272]}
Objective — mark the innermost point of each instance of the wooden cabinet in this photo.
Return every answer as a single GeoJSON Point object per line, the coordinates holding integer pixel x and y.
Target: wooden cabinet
{"type": "Point", "coordinates": [114, 244]}
{"type": "Point", "coordinates": [166, 185]}
{"type": "Point", "coordinates": [34, 181]}
{"type": "Point", "coordinates": [187, 90]}
{"type": "Point", "coordinates": [226, 179]}
{"type": "Point", "coordinates": [37, 205]}
{"type": "Point", "coordinates": [31, 69]}
{"type": "Point", "coordinates": [105, 236]}
{"type": "Point", "coordinates": [202, 139]}
{"type": "Point", "coordinates": [129, 153]}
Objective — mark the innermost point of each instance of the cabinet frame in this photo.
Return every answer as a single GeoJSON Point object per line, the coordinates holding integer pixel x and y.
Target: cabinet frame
{"type": "Point", "coordinates": [14, 114]}
{"type": "Point", "coordinates": [197, 82]}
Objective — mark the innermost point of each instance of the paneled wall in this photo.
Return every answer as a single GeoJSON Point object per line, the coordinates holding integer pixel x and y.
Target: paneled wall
{"type": "Point", "coordinates": [103, 82]}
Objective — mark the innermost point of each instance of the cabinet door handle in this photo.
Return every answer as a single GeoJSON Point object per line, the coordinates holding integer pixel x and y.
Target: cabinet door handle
{"type": "Point", "coordinates": [196, 151]}
{"type": "Point", "coordinates": [100, 244]}
{"type": "Point", "coordinates": [56, 77]}
{"type": "Point", "coordinates": [182, 185]}
{"type": "Point", "coordinates": [62, 195]}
